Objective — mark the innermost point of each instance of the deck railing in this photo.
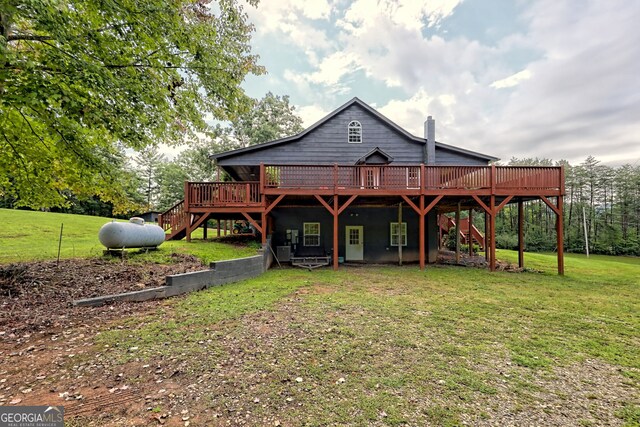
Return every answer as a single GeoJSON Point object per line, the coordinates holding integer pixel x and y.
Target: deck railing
{"type": "Point", "coordinates": [174, 218]}
{"type": "Point", "coordinates": [374, 179]}
{"type": "Point", "coordinates": [413, 177]}
{"type": "Point", "coordinates": [215, 194]}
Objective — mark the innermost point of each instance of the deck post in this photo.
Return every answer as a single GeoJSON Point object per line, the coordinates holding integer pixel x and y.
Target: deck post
{"type": "Point", "coordinates": [205, 229]}
{"type": "Point", "coordinates": [421, 238]}
{"type": "Point", "coordinates": [486, 237]}
{"type": "Point", "coordinates": [218, 226]}
{"type": "Point", "coordinates": [400, 233]}
{"type": "Point", "coordinates": [520, 234]}
{"type": "Point", "coordinates": [457, 231]}
{"type": "Point", "coordinates": [335, 232]}
{"type": "Point", "coordinates": [560, 237]}
{"type": "Point", "coordinates": [470, 238]}
{"type": "Point", "coordinates": [186, 211]}
{"type": "Point", "coordinates": [492, 243]}
{"type": "Point", "coordinates": [263, 224]}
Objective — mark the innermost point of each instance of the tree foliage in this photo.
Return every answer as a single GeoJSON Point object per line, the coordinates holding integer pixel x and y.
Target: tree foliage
{"type": "Point", "coordinates": [269, 118]}
{"type": "Point", "coordinates": [606, 198]}
{"type": "Point", "coordinates": [80, 81]}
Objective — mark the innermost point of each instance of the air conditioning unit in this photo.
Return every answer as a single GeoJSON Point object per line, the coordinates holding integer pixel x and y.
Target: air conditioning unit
{"type": "Point", "coordinates": [283, 253]}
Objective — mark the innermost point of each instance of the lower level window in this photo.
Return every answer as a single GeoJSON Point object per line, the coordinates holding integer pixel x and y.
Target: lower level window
{"type": "Point", "coordinates": [312, 234]}
{"type": "Point", "coordinates": [398, 233]}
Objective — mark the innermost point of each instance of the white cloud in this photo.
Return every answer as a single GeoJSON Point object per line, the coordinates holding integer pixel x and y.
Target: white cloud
{"type": "Point", "coordinates": [578, 96]}
{"type": "Point", "coordinates": [311, 114]}
{"type": "Point", "coordinates": [512, 80]}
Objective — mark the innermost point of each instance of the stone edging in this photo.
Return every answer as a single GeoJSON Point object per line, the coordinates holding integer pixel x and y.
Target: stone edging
{"type": "Point", "coordinates": [219, 273]}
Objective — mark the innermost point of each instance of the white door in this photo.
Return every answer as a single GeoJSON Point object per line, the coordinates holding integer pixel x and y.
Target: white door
{"type": "Point", "coordinates": [354, 243]}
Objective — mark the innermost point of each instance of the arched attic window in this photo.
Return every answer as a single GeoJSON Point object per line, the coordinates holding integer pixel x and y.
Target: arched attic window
{"type": "Point", "coordinates": [354, 132]}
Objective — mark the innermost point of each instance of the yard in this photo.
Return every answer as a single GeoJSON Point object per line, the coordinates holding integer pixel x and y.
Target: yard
{"type": "Point", "coordinates": [376, 345]}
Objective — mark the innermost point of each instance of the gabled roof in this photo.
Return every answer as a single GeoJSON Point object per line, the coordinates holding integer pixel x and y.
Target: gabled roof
{"type": "Point", "coordinates": [353, 101]}
{"type": "Point", "coordinates": [376, 150]}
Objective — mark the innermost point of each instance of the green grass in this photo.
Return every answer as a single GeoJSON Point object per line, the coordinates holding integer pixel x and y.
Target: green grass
{"type": "Point", "coordinates": [432, 347]}
{"type": "Point", "coordinates": [33, 235]}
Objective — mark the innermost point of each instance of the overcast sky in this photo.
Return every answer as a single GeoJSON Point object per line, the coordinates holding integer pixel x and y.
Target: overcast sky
{"type": "Point", "coordinates": [547, 78]}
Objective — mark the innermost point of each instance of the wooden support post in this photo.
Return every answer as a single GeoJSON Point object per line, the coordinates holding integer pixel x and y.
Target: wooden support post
{"type": "Point", "coordinates": [458, 234]}
{"type": "Point", "coordinates": [204, 229]}
{"type": "Point", "coordinates": [263, 224]}
{"type": "Point", "coordinates": [218, 226]}
{"type": "Point", "coordinates": [470, 237]}
{"type": "Point", "coordinates": [400, 233]}
{"type": "Point", "coordinates": [486, 237]}
{"type": "Point", "coordinates": [439, 232]}
{"type": "Point", "coordinates": [560, 236]}
{"type": "Point", "coordinates": [186, 211]}
{"type": "Point", "coordinates": [520, 234]}
{"type": "Point", "coordinates": [492, 243]}
{"type": "Point", "coordinates": [335, 232]}
{"type": "Point", "coordinates": [421, 238]}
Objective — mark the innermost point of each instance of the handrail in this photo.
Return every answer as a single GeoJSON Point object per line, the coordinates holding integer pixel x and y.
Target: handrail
{"type": "Point", "coordinates": [205, 194]}
{"type": "Point", "coordinates": [408, 177]}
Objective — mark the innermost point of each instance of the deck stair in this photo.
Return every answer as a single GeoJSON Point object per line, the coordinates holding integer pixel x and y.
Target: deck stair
{"type": "Point", "coordinates": [447, 223]}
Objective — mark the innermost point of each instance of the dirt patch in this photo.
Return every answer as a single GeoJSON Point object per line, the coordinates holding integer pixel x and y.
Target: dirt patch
{"type": "Point", "coordinates": [38, 295]}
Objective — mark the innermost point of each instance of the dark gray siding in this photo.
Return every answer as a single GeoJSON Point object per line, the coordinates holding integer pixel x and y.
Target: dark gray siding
{"type": "Point", "coordinates": [450, 157]}
{"type": "Point", "coordinates": [376, 229]}
{"type": "Point", "coordinates": [328, 144]}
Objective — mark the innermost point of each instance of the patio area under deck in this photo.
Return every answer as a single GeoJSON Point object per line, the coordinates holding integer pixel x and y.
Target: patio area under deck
{"type": "Point", "coordinates": [421, 187]}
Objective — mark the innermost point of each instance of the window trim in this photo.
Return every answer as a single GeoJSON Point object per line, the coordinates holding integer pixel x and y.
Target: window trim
{"type": "Point", "coordinates": [355, 125]}
{"type": "Point", "coordinates": [403, 233]}
{"type": "Point", "coordinates": [305, 234]}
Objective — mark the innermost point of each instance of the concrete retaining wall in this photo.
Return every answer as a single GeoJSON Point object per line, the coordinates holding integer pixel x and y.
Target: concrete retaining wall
{"type": "Point", "coordinates": [219, 273]}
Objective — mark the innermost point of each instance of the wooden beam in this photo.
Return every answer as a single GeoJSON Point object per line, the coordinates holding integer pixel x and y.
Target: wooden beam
{"type": "Point", "coordinates": [325, 204]}
{"type": "Point", "coordinates": [457, 232]}
{"type": "Point", "coordinates": [470, 238]}
{"type": "Point", "coordinates": [486, 236]}
{"type": "Point", "coordinates": [199, 221]}
{"type": "Point", "coordinates": [347, 203]}
{"type": "Point", "coordinates": [252, 221]}
{"type": "Point", "coordinates": [431, 205]}
{"type": "Point", "coordinates": [274, 203]}
{"type": "Point", "coordinates": [481, 203]}
{"type": "Point", "coordinates": [400, 233]}
{"type": "Point", "coordinates": [421, 231]}
{"type": "Point", "coordinates": [503, 204]}
{"type": "Point", "coordinates": [413, 205]}
{"type": "Point", "coordinates": [334, 211]}
{"type": "Point", "coordinates": [520, 234]}
{"type": "Point", "coordinates": [492, 220]}
{"type": "Point", "coordinates": [551, 205]}
{"type": "Point", "coordinates": [560, 237]}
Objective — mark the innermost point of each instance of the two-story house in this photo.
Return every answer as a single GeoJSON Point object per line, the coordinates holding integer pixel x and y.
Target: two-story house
{"type": "Point", "coordinates": [357, 187]}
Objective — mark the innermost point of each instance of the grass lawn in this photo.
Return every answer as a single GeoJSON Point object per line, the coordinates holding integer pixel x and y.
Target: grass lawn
{"type": "Point", "coordinates": [397, 346]}
{"type": "Point", "coordinates": [33, 235]}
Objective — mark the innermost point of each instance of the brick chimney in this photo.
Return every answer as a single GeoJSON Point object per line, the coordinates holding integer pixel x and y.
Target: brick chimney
{"type": "Point", "coordinates": [430, 136]}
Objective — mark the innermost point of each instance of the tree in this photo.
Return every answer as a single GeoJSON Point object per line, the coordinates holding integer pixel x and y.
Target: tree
{"type": "Point", "coordinates": [149, 161]}
{"type": "Point", "coordinates": [268, 118]}
{"type": "Point", "coordinates": [81, 80]}
{"type": "Point", "coordinates": [171, 178]}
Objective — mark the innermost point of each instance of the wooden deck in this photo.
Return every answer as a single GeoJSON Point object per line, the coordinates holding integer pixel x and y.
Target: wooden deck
{"type": "Point", "coordinates": [422, 187]}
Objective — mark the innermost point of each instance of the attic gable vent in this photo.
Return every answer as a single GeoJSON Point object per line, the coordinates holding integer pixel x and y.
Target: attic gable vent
{"type": "Point", "coordinates": [354, 132]}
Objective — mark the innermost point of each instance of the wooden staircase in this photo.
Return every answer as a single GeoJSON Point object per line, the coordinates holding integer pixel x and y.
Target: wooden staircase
{"type": "Point", "coordinates": [174, 222]}
{"type": "Point", "coordinates": [447, 223]}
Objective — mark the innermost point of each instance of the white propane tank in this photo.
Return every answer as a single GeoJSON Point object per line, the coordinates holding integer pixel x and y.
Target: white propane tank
{"type": "Point", "coordinates": [132, 234]}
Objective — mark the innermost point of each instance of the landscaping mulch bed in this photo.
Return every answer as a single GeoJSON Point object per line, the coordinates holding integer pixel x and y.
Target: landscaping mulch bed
{"type": "Point", "coordinates": [39, 295]}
